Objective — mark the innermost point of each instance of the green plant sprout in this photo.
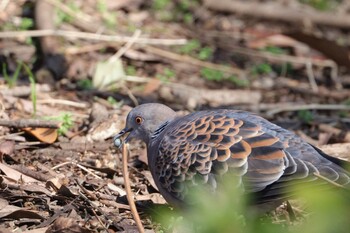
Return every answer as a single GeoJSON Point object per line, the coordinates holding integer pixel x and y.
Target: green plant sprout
{"type": "Point", "coordinates": [66, 119]}
{"type": "Point", "coordinates": [85, 84]}
{"type": "Point", "coordinates": [33, 94]}
{"type": "Point", "coordinates": [11, 81]}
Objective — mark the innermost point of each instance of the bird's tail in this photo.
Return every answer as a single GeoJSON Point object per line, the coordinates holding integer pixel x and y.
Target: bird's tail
{"type": "Point", "coordinates": [340, 162]}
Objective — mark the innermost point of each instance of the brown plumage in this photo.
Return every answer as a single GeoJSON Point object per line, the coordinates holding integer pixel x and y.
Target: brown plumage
{"type": "Point", "coordinates": [203, 147]}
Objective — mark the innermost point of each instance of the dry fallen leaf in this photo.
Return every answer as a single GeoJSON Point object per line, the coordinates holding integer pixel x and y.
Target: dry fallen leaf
{"type": "Point", "coordinates": [46, 135]}
{"type": "Point", "coordinates": [7, 147]}
{"type": "Point", "coordinates": [15, 175]}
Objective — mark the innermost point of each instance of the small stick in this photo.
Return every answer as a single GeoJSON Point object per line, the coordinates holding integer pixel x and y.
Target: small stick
{"type": "Point", "coordinates": [328, 180]}
{"type": "Point", "coordinates": [90, 36]}
{"type": "Point", "coordinates": [62, 102]}
{"type": "Point", "coordinates": [129, 193]}
{"type": "Point", "coordinates": [125, 48]}
{"type": "Point", "coordinates": [32, 123]}
{"type": "Point", "coordinates": [296, 107]}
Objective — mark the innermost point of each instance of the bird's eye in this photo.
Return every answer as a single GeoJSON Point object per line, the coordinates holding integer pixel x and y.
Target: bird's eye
{"type": "Point", "coordinates": [138, 120]}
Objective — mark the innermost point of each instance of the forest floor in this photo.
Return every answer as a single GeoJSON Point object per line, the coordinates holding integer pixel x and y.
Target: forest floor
{"type": "Point", "coordinates": [72, 70]}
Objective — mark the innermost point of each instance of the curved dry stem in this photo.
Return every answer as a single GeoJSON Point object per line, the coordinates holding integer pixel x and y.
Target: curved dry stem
{"type": "Point", "coordinates": [129, 193]}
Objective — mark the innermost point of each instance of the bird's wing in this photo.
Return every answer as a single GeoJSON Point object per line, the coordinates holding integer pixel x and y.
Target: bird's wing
{"type": "Point", "coordinates": [202, 147]}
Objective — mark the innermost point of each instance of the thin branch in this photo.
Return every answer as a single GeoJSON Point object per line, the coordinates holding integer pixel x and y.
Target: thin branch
{"type": "Point", "coordinates": [311, 77]}
{"type": "Point", "coordinates": [30, 123]}
{"type": "Point", "coordinates": [126, 47]}
{"type": "Point", "coordinates": [328, 180]}
{"type": "Point", "coordinates": [276, 11]}
{"type": "Point", "coordinates": [79, 166]}
{"type": "Point", "coordinates": [90, 36]}
{"type": "Point", "coordinates": [62, 102]}
{"type": "Point", "coordinates": [296, 107]}
{"type": "Point", "coordinates": [129, 193]}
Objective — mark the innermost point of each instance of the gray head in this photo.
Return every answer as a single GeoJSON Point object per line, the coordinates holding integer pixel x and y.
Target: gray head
{"type": "Point", "coordinates": [143, 120]}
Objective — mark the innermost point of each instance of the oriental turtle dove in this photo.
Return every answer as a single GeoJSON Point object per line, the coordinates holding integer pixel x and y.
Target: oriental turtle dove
{"type": "Point", "coordinates": [204, 146]}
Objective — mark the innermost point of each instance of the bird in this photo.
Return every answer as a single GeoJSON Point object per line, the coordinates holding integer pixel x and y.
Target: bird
{"type": "Point", "coordinates": [201, 148]}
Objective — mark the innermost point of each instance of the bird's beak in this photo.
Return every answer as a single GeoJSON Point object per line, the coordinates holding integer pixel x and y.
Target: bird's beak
{"type": "Point", "coordinates": [116, 139]}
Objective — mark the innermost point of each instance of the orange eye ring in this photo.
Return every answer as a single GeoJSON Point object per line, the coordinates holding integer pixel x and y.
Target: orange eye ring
{"type": "Point", "coordinates": [138, 120]}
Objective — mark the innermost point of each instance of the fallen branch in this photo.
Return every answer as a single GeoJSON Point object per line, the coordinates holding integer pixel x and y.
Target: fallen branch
{"type": "Point", "coordinates": [279, 12]}
{"type": "Point", "coordinates": [192, 97]}
{"type": "Point", "coordinates": [30, 123]}
{"type": "Point", "coordinates": [296, 107]}
{"type": "Point", "coordinates": [90, 36]}
{"type": "Point", "coordinates": [129, 193]}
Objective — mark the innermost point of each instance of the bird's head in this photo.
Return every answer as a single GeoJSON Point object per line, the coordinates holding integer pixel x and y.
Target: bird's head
{"type": "Point", "coordinates": [143, 120]}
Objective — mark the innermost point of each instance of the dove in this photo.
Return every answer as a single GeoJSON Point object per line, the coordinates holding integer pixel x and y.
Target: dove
{"type": "Point", "coordinates": [201, 148]}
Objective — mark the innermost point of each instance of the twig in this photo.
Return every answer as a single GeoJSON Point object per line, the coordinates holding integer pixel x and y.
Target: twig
{"type": "Point", "coordinates": [79, 166]}
{"type": "Point", "coordinates": [283, 58]}
{"type": "Point", "coordinates": [90, 36]}
{"type": "Point", "coordinates": [125, 48]}
{"type": "Point", "coordinates": [30, 123]}
{"type": "Point", "coordinates": [328, 180]}
{"type": "Point", "coordinates": [193, 61]}
{"type": "Point", "coordinates": [94, 206]}
{"type": "Point", "coordinates": [275, 11]}
{"type": "Point", "coordinates": [296, 107]}
{"type": "Point", "coordinates": [311, 77]}
{"type": "Point", "coordinates": [62, 102]}
{"type": "Point", "coordinates": [129, 193]}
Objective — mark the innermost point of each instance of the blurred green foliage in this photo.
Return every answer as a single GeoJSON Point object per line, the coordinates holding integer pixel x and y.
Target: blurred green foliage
{"type": "Point", "coordinates": [219, 76]}
{"type": "Point", "coordinates": [166, 75]}
{"type": "Point", "coordinates": [85, 84]}
{"type": "Point", "coordinates": [323, 5]}
{"type": "Point", "coordinates": [109, 18]}
{"type": "Point", "coordinates": [180, 10]}
{"type": "Point", "coordinates": [326, 210]}
{"type": "Point", "coordinates": [305, 116]}
{"type": "Point", "coordinates": [130, 70]}
{"type": "Point", "coordinates": [263, 68]}
{"type": "Point", "coordinates": [62, 17]}
{"type": "Point", "coordinates": [274, 50]}
{"type": "Point", "coordinates": [195, 49]}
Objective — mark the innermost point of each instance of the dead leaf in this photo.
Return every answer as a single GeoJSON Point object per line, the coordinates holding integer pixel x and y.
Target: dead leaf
{"type": "Point", "coordinates": [46, 135]}
{"type": "Point", "coordinates": [16, 176]}
{"type": "Point", "coordinates": [63, 224]}
{"type": "Point", "coordinates": [150, 179]}
{"type": "Point", "coordinates": [156, 198]}
{"type": "Point", "coordinates": [117, 189]}
{"type": "Point", "coordinates": [108, 72]}
{"type": "Point", "coordinates": [14, 212]}
{"type": "Point", "coordinates": [152, 85]}
{"type": "Point", "coordinates": [7, 147]}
